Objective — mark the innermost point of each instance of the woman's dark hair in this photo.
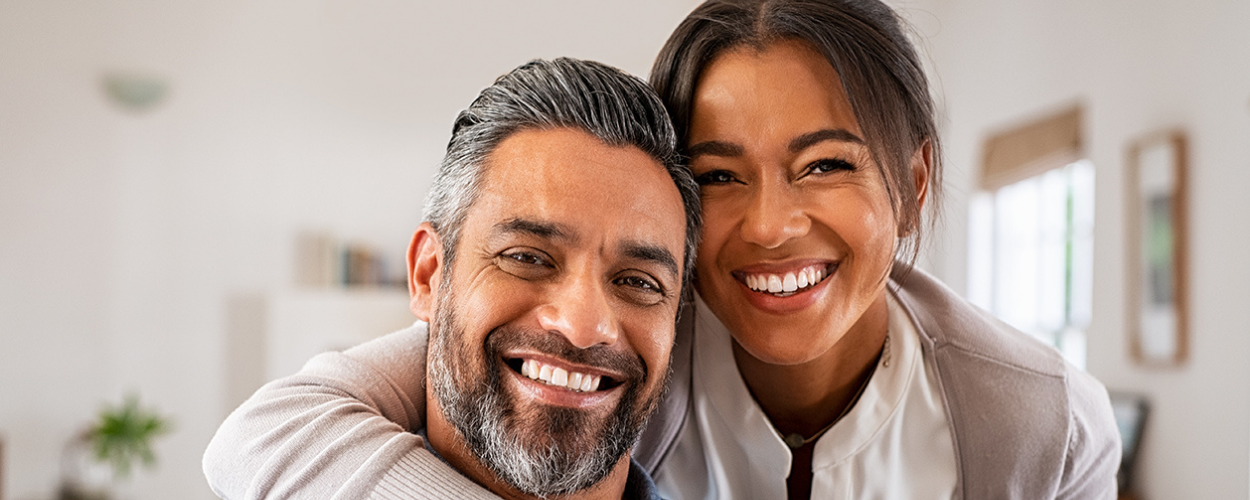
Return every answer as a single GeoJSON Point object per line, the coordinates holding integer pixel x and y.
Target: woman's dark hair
{"type": "Point", "coordinates": [864, 42]}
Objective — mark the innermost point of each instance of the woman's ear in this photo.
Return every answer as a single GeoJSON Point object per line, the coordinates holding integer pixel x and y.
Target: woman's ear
{"type": "Point", "coordinates": [425, 270]}
{"type": "Point", "coordinates": [921, 166]}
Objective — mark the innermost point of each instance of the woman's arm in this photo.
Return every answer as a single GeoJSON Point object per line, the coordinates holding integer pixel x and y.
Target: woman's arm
{"type": "Point", "coordinates": [340, 428]}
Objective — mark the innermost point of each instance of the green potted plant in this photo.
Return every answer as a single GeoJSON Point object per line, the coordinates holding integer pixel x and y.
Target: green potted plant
{"type": "Point", "coordinates": [108, 451]}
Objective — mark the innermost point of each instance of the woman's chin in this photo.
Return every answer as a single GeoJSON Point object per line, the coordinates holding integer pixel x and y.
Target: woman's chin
{"type": "Point", "coordinates": [782, 339]}
{"type": "Point", "coordinates": [781, 348]}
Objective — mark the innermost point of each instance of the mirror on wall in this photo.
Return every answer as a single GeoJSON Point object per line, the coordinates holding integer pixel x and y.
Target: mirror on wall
{"type": "Point", "coordinates": [1157, 249]}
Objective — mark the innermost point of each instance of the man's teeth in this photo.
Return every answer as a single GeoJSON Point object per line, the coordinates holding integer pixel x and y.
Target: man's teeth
{"type": "Point", "coordinates": [553, 375]}
{"type": "Point", "coordinates": [788, 283]}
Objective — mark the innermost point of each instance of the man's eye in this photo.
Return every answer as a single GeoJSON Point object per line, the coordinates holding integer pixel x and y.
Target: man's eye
{"type": "Point", "coordinates": [641, 290]}
{"type": "Point", "coordinates": [526, 258]}
{"type": "Point", "coordinates": [639, 283]}
{"type": "Point", "coordinates": [715, 177]}
{"type": "Point", "coordinates": [526, 264]}
{"type": "Point", "coordinates": [827, 165]}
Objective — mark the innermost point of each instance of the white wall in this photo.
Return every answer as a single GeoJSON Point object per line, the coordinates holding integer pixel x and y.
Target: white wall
{"type": "Point", "coordinates": [1138, 67]}
{"type": "Point", "coordinates": [123, 234]}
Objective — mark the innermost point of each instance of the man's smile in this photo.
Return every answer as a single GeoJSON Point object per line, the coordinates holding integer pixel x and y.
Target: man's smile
{"type": "Point", "coordinates": [559, 377]}
{"type": "Point", "coordinates": [554, 381]}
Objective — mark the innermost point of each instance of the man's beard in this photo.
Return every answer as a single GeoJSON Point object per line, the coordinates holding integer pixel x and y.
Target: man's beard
{"type": "Point", "coordinates": [540, 450]}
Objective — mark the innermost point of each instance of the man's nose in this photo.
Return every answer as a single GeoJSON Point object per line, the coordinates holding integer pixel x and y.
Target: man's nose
{"type": "Point", "coordinates": [774, 215]}
{"type": "Point", "coordinates": [580, 311]}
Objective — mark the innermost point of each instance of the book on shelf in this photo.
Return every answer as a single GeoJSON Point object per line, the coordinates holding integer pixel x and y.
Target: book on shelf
{"type": "Point", "coordinates": [321, 261]}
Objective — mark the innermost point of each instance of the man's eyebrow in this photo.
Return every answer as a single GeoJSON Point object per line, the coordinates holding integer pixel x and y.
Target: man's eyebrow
{"type": "Point", "coordinates": [541, 229]}
{"type": "Point", "coordinates": [811, 138]}
{"type": "Point", "coordinates": [714, 148]}
{"type": "Point", "coordinates": [651, 253]}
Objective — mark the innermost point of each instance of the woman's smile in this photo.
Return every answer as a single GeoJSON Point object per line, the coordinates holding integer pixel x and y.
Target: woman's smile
{"type": "Point", "coordinates": [784, 288]}
{"type": "Point", "coordinates": [785, 282]}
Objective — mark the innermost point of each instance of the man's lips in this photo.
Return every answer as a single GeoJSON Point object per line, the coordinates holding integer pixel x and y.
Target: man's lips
{"type": "Point", "coordinates": [785, 280]}
{"type": "Point", "coordinates": [558, 374]}
{"type": "Point", "coordinates": [543, 366]}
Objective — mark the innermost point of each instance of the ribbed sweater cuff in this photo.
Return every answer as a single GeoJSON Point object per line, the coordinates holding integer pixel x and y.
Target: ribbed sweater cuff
{"type": "Point", "coordinates": [420, 474]}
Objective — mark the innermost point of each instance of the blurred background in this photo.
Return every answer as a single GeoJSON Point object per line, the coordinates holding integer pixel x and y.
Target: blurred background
{"type": "Point", "coordinates": [197, 196]}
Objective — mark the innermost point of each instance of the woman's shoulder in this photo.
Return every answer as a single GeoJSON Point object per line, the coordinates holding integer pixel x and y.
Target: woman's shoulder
{"type": "Point", "coordinates": [970, 346]}
{"type": "Point", "coordinates": [1004, 386]}
{"type": "Point", "coordinates": [948, 322]}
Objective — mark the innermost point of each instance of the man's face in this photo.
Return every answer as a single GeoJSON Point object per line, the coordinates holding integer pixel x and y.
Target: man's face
{"type": "Point", "coordinates": [553, 328]}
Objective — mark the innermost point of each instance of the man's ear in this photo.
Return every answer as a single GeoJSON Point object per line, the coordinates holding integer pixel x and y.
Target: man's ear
{"type": "Point", "coordinates": [425, 270]}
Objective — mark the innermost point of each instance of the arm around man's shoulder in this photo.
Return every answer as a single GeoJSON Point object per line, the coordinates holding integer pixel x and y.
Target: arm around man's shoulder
{"type": "Point", "coordinates": [336, 429]}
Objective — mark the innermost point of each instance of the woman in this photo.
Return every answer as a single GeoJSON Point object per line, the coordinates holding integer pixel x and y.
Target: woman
{"type": "Point", "coordinates": [809, 126]}
{"type": "Point", "coordinates": [817, 363]}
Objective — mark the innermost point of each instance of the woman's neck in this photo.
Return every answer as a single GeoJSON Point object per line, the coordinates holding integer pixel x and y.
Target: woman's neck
{"type": "Point", "coordinates": [807, 397]}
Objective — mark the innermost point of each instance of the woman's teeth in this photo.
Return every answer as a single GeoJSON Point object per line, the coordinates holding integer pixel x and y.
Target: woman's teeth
{"type": "Point", "coordinates": [787, 284]}
{"type": "Point", "coordinates": [552, 375]}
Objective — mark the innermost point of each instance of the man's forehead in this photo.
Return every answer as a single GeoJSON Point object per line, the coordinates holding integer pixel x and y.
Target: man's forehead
{"type": "Point", "coordinates": [561, 152]}
{"type": "Point", "coordinates": [568, 184]}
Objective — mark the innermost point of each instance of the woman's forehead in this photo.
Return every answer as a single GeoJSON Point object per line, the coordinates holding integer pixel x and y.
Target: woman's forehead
{"type": "Point", "coordinates": [785, 89]}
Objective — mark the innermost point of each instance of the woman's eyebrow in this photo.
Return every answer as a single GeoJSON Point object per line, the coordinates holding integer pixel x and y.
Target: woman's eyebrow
{"type": "Point", "coordinates": [729, 150]}
{"type": "Point", "coordinates": [714, 148]}
{"type": "Point", "coordinates": [811, 138]}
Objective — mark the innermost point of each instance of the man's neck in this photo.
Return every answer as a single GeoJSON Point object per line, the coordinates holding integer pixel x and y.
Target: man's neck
{"type": "Point", "coordinates": [448, 443]}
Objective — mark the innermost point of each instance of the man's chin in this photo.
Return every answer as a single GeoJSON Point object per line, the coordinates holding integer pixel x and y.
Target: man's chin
{"type": "Point", "coordinates": [577, 432]}
{"type": "Point", "coordinates": [550, 451]}
{"type": "Point", "coordinates": [546, 449]}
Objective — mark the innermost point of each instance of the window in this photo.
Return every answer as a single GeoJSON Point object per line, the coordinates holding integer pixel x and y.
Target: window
{"type": "Point", "coordinates": [1030, 255]}
{"type": "Point", "coordinates": [1030, 233]}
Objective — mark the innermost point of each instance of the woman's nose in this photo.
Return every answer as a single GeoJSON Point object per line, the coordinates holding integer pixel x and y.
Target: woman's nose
{"type": "Point", "coordinates": [773, 216]}
{"type": "Point", "coordinates": [580, 311]}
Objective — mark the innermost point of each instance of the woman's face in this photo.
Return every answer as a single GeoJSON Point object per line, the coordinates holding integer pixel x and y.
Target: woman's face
{"type": "Point", "coordinates": [799, 234]}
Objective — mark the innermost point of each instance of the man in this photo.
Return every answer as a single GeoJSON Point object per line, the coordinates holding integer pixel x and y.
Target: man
{"type": "Point", "coordinates": [550, 272]}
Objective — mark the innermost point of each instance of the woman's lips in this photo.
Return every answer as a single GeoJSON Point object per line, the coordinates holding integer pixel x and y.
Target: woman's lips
{"type": "Point", "coordinates": [785, 289]}
{"type": "Point", "coordinates": [784, 283]}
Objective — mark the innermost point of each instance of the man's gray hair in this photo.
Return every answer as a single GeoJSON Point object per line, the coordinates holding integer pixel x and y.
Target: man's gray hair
{"type": "Point", "coordinates": [617, 108]}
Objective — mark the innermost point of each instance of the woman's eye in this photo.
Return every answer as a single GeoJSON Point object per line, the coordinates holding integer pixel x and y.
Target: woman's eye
{"type": "Point", "coordinates": [827, 165]}
{"type": "Point", "coordinates": [715, 177]}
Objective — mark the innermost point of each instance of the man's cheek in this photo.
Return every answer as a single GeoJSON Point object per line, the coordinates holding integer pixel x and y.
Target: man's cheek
{"type": "Point", "coordinates": [654, 345]}
{"type": "Point", "coordinates": [486, 312]}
